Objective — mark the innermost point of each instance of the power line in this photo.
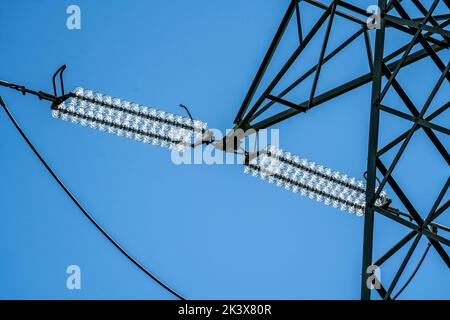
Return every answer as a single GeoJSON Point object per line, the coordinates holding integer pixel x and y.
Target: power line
{"type": "Point", "coordinates": [83, 210]}
{"type": "Point", "coordinates": [414, 272]}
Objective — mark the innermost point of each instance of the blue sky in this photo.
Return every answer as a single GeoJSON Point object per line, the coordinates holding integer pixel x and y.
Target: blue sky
{"type": "Point", "coordinates": [210, 232]}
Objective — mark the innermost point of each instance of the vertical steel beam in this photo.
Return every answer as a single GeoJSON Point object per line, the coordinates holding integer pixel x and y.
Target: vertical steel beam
{"type": "Point", "coordinates": [372, 154]}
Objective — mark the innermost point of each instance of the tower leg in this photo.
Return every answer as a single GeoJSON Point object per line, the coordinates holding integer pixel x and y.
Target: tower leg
{"type": "Point", "coordinates": [372, 156]}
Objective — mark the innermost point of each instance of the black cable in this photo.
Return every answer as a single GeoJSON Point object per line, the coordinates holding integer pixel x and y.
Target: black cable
{"type": "Point", "coordinates": [366, 175]}
{"type": "Point", "coordinates": [187, 110]}
{"type": "Point", "coordinates": [61, 80]}
{"type": "Point", "coordinates": [87, 215]}
{"type": "Point", "coordinates": [415, 271]}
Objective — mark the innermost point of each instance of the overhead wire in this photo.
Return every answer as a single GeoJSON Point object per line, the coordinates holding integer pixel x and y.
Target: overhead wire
{"type": "Point", "coordinates": [82, 209]}
{"type": "Point", "coordinates": [414, 272]}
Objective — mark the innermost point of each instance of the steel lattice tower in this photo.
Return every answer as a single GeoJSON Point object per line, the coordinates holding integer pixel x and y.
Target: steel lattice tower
{"type": "Point", "coordinates": [428, 41]}
{"type": "Point", "coordinates": [429, 36]}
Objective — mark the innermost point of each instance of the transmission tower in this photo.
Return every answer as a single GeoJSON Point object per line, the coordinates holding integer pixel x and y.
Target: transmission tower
{"type": "Point", "coordinates": [428, 36]}
{"type": "Point", "coordinates": [427, 31]}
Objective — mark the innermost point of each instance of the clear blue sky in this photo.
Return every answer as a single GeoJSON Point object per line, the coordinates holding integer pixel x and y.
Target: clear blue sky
{"type": "Point", "coordinates": [210, 232]}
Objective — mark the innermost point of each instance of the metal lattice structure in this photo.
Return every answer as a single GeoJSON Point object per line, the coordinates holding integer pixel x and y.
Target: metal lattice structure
{"type": "Point", "coordinates": [429, 33]}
